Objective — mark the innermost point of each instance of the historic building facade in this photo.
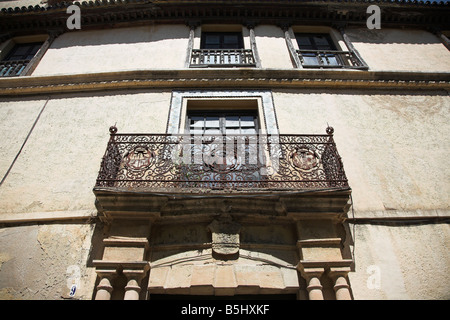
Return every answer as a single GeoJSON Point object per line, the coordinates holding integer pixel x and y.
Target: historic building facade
{"type": "Point", "coordinates": [259, 149]}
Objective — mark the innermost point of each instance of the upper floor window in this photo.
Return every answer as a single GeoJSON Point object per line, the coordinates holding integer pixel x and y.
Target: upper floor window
{"type": "Point", "coordinates": [16, 60]}
{"type": "Point", "coordinates": [317, 50]}
{"type": "Point", "coordinates": [222, 40]}
{"type": "Point", "coordinates": [320, 50]}
{"type": "Point", "coordinates": [223, 122]}
{"type": "Point", "coordinates": [222, 49]}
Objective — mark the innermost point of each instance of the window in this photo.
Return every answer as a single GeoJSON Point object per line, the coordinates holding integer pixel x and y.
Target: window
{"type": "Point", "coordinates": [317, 50]}
{"type": "Point", "coordinates": [222, 49]}
{"type": "Point", "coordinates": [227, 148]}
{"type": "Point", "coordinates": [18, 58]}
{"type": "Point", "coordinates": [222, 40]}
{"type": "Point", "coordinates": [225, 122]}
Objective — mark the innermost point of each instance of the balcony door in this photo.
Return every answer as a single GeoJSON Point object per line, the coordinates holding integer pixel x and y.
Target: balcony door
{"type": "Point", "coordinates": [223, 122]}
{"type": "Point", "coordinates": [317, 50]}
{"type": "Point", "coordinates": [222, 49]}
{"type": "Point", "coordinates": [224, 147]}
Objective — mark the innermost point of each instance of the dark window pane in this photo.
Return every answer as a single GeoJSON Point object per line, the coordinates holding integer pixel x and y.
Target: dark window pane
{"type": "Point", "coordinates": [23, 51]}
{"type": "Point", "coordinates": [304, 43]}
{"type": "Point", "coordinates": [315, 42]}
{"type": "Point", "coordinates": [221, 40]}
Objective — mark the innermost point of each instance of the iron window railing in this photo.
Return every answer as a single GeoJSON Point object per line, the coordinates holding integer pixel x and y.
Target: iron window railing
{"type": "Point", "coordinates": [222, 58]}
{"type": "Point", "coordinates": [12, 68]}
{"type": "Point", "coordinates": [153, 161]}
{"type": "Point", "coordinates": [330, 59]}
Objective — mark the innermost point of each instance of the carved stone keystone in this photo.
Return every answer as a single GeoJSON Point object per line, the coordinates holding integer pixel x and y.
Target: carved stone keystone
{"type": "Point", "coordinates": [225, 236]}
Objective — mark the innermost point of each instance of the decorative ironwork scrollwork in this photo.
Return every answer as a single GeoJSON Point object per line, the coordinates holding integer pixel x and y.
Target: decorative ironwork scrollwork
{"type": "Point", "coordinates": [232, 161]}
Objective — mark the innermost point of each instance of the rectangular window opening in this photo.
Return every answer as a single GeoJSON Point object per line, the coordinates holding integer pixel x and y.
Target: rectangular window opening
{"type": "Point", "coordinates": [17, 59]}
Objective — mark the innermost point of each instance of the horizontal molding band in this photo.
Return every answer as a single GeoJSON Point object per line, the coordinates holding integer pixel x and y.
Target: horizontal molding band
{"type": "Point", "coordinates": [399, 216]}
{"type": "Point", "coordinates": [48, 216]}
{"type": "Point", "coordinates": [224, 78]}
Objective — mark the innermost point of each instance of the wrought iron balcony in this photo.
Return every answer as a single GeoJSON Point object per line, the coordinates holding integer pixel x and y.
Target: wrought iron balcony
{"type": "Point", "coordinates": [330, 59]}
{"type": "Point", "coordinates": [286, 162]}
{"type": "Point", "coordinates": [222, 58]}
{"type": "Point", "coordinates": [12, 68]}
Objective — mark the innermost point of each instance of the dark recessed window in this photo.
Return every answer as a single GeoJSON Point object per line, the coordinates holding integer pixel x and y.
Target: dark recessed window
{"type": "Point", "coordinates": [225, 122]}
{"type": "Point", "coordinates": [222, 40]}
{"type": "Point", "coordinates": [317, 50]}
{"type": "Point", "coordinates": [23, 51]}
{"type": "Point", "coordinates": [18, 58]}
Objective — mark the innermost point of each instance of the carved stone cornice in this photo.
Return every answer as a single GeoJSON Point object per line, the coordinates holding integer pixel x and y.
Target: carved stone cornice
{"type": "Point", "coordinates": [109, 13]}
{"type": "Point", "coordinates": [224, 78]}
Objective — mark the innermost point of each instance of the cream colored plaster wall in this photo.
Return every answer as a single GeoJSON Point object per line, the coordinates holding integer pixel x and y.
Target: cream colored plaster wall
{"type": "Point", "coordinates": [400, 49]}
{"type": "Point", "coordinates": [41, 262]}
{"type": "Point", "coordinates": [394, 147]}
{"type": "Point", "coordinates": [16, 119]}
{"type": "Point", "coordinates": [272, 49]}
{"type": "Point", "coordinates": [401, 262]}
{"type": "Point", "coordinates": [58, 166]}
{"type": "Point", "coordinates": [395, 153]}
{"type": "Point", "coordinates": [149, 47]}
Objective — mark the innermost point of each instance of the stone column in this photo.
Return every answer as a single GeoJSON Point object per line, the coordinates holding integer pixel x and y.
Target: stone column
{"type": "Point", "coordinates": [104, 288]}
{"type": "Point", "coordinates": [314, 286]}
{"type": "Point", "coordinates": [132, 289]}
{"type": "Point", "coordinates": [134, 275]}
{"type": "Point", "coordinates": [341, 286]}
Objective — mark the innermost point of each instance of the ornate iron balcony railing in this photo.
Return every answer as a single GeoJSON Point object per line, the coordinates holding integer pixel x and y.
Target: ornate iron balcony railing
{"type": "Point", "coordinates": [148, 161]}
{"type": "Point", "coordinates": [12, 68]}
{"type": "Point", "coordinates": [330, 59]}
{"type": "Point", "coordinates": [222, 58]}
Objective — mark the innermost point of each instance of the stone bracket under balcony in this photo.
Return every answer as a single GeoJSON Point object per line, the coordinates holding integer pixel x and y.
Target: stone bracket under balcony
{"type": "Point", "coordinates": [117, 204]}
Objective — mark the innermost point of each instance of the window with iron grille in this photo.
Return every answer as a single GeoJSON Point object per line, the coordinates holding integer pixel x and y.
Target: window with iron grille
{"type": "Point", "coordinates": [222, 49]}
{"type": "Point", "coordinates": [317, 50]}
{"type": "Point", "coordinates": [18, 58]}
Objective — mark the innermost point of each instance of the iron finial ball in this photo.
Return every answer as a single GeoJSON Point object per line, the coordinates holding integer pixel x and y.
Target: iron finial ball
{"type": "Point", "coordinates": [113, 129]}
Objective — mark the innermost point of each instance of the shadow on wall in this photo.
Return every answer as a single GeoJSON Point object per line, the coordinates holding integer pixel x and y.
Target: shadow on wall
{"type": "Point", "coordinates": [120, 36]}
{"type": "Point", "coordinates": [149, 47]}
{"type": "Point", "coordinates": [391, 36]}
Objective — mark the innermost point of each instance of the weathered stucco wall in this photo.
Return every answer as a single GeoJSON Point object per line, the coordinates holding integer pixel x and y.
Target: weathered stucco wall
{"type": "Point", "coordinates": [395, 156]}
{"type": "Point", "coordinates": [393, 145]}
{"type": "Point", "coordinates": [401, 262]}
{"type": "Point", "coordinates": [165, 47]}
{"type": "Point", "coordinates": [58, 166]}
{"type": "Point", "coordinates": [400, 50]}
{"type": "Point", "coordinates": [393, 148]}
{"type": "Point", "coordinates": [149, 47]}
{"type": "Point", "coordinates": [272, 48]}
{"type": "Point", "coordinates": [41, 262]}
